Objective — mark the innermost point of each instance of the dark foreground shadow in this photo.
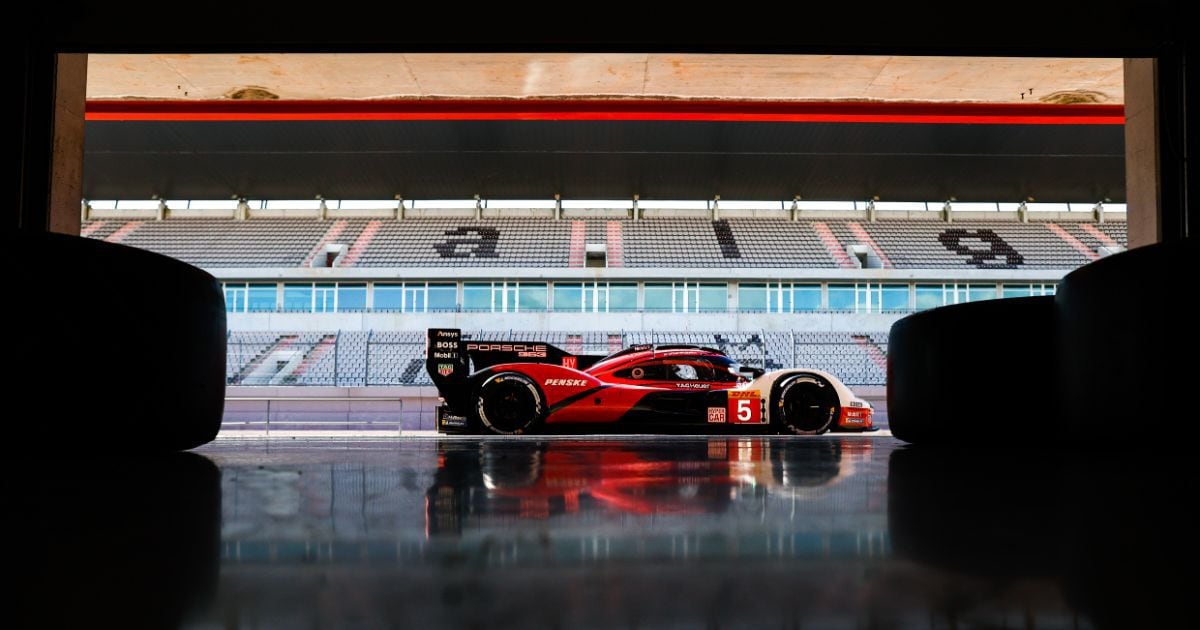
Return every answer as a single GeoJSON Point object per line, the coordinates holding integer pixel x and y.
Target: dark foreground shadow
{"type": "Point", "coordinates": [1112, 528]}
{"type": "Point", "coordinates": [120, 543]}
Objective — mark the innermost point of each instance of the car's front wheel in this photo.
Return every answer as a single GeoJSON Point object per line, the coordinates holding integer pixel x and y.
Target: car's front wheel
{"type": "Point", "coordinates": [510, 403]}
{"type": "Point", "coordinates": [805, 404]}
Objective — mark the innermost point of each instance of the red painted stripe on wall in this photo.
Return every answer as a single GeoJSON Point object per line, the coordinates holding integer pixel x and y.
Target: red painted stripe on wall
{"type": "Point", "coordinates": [609, 110]}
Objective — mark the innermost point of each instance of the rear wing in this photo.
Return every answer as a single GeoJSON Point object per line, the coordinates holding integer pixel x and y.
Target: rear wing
{"type": "Point", "coordinates": [449, 358]}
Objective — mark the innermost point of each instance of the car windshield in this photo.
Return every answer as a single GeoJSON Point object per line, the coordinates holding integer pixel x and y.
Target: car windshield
{"type": "Point", "coordinates": [726, 370]}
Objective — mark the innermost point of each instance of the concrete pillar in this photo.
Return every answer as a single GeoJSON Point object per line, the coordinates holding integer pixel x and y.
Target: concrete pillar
{"type": "Point", "coordinates": [947, 213]}
{"type": "Point", "coordinates": [66, 160]}
{"type": "Point", "coordinates": [1022, 213]}
{"type": "Point", "coordinates": [796, 208]}
{"type": "Point", "coordinates": [1098, 212]}
{"type": "Point", "coordinates": [557, 207]}
{"type": "Point", "coordinates": [478, 208]}
{"type": "Point", "coordinates": [1142, 192]}
{"type": "Point", "coordinates": [242, 212]}
{"type": "Point", "coordinates": [324, 211]}
{"type": "Point", "coordinates": [399, 208]}
{"type": "Point", "coordinates": [85, 210]}
{"type": "Point", "coordinates": [161, 212]}
{"type": "Point", "coordinates": [871, 212]}
{"type": "Point", "coordinates": [716, 210]}
{"type": "Point", "coordinates": [635, 207]}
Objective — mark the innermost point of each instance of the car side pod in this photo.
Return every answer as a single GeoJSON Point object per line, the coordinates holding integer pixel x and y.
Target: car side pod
{"type": "Point", "coordinates": [113, 348]}
{"type": "Point", "coordinates": [976, 373]}
{"type": "Point", "coordinates": [1127, 341]}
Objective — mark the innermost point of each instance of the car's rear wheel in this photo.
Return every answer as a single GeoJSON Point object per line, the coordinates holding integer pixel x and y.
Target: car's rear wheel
{"type": "Point", "coordinates": [510, 403]}
{"type": "Point", "coordinates": [806, 404]}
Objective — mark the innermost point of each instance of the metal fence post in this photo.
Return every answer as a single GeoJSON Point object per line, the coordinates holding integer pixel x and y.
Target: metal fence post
{"type": "Point", "coordinates": [337, 347]}
{"type": "Point", "coordinates": [762, 340]}
{"type": "Point", "coordinates": [795, 357]}
{"type": "Point", "coordinates": [367, 367]}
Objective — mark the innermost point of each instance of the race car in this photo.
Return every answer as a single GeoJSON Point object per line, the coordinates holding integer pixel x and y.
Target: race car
{"type": "Point", "coordinates": [517, 387]}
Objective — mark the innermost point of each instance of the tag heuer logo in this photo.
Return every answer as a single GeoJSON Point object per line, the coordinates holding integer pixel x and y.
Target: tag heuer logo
{"type": "Point", "coordinates": [445, 369]}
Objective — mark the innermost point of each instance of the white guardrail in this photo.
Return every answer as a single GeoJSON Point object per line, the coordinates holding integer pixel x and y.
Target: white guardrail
{"type": "Point", "coordinates": [299, 416]}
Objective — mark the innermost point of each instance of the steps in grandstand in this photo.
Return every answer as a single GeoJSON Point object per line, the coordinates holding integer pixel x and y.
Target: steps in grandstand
{"type": "Point", "coordinates": [873, 350]}
{"type": "Point", "coordinates": [331, 236]}
{"type": "Point", "coordinates": [92, 227]}
{"type": "Point", "coordinates": [863, 237]}
{"type": "Point", "coordinates": [122, 232]}
{"type": "Point", "coordinates": [283, 342]}
{"type": "Point", "coordinates": [577, 250]}
{"type": "Point", "coordinates": [361, 243]}
{"type": "Point", "coordinates": [412, 371]}
{"type": "Point", "coordinates": [1072, 242]}
{"type": "Point", "coordinates": [614, 243]}
{"type": "Point", "coordinates": [833, 246]}
{"type": "Point", "coordinates": [313, 356]}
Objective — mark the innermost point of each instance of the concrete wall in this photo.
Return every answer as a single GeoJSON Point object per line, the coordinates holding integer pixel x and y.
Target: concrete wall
{"type": "Point", "coordinates": [357, 408]}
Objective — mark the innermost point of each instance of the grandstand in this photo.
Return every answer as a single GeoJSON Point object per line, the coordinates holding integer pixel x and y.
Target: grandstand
{"type": "Point", "coordinates": [649, 243]}
{"type": "Point", "coordinates": [389, 358]}
{"type": "Point", "coordinates": [341, 298]}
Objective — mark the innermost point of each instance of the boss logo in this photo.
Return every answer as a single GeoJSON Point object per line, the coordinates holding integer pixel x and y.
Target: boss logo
{"type": "Point", "coordinates": [566, 382]}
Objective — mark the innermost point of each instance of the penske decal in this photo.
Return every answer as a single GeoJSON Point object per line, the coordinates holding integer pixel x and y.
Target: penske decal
{"type": "Point", "coordinates": [566, 382]}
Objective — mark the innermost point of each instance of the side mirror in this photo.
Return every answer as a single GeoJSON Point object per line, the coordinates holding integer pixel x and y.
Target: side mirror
{"type": "Point", "coordinates": [752, 371]}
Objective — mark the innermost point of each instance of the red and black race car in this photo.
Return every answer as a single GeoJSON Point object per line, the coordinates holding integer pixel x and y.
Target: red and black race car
{"type": "Point", "coordinates": [530, 387]}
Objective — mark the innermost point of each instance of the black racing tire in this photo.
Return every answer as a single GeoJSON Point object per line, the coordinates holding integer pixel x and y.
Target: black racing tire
{"type": "Point", "coordinates": [805, 404]}
{"type": "Point", "coordinates": [509, 403]}
{"type": "Point", "coordinates": [980, 373]}
{"type": "Point", "coordinates": [1124, 362]}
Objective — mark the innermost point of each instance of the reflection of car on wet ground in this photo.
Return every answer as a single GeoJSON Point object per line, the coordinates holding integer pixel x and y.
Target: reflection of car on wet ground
{"type": "Point", "coordinates": [528, 387]}
{"type": "Point", "coordinates": [539, 479]}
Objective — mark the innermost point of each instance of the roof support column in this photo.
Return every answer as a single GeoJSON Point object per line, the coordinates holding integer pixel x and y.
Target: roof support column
{"type": "Point", "coordinates": [49, 133]}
